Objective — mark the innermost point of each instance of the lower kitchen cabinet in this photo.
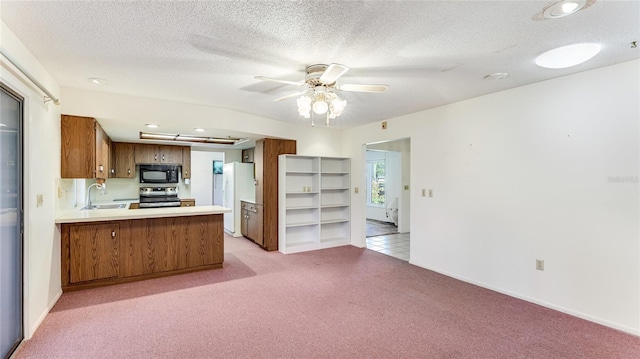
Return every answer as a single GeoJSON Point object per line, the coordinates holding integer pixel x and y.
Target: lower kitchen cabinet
{"type": "Point", "coordinates": [251, 222]}
{"type": "Point", "coordinates": [102, 253]}
{"type": "Point", "coordinates": [94, 252]}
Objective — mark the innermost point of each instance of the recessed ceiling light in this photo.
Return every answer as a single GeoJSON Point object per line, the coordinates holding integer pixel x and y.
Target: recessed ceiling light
{"type": "Point", "coordinates": [199, 129]}
{"type": "Point", "coordinates": [497, 76]}
{"type": "Point", "coordinates": [567, 56]}
{"type": "Point", "coordinates": [152, 125]}
{"type": "Point", "coordinates": [97, 81]}
{"type": "Point", "coordinates": [563, 8]}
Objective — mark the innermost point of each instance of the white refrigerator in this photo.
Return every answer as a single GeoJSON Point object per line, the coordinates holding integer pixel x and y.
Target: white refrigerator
{"type": "Point", "coordinates": [239, 185]}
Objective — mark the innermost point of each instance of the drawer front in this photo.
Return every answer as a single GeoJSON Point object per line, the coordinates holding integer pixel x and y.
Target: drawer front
{"type": "Point", "coordinates": [248, 206]}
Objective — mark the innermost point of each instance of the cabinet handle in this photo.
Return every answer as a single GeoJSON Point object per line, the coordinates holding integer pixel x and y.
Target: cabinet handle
{"type": "Point", "coordinates": [113, 171]}
{"type": "Point", "coordinates": [113, 234]}
{"type": "Point", "coordinates": [162, 158]}
{"type": "Point", "coordinates": [155, 157]}
{"type": "Point", "coordinates": [101, 168]}
{"type": "Point", "coordinates": [186, 172]}
{"type": "Point", "coordinates": [129, 171]}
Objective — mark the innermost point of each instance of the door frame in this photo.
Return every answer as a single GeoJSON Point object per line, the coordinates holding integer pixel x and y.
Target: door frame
{"type": "Point", "coordinates": [20, 204]}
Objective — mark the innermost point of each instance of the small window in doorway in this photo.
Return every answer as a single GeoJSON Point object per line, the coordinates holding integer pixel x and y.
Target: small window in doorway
{"type": "Point", "coordinates": [375, 183]}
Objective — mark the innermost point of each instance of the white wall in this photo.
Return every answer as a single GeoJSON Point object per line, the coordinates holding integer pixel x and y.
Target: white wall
{"type": "Point", "coordinates": [546, 171]}
{"type": "Point", "coordinates": [202, 175]}
{"type": "Point", "coordinates": [41, 175]}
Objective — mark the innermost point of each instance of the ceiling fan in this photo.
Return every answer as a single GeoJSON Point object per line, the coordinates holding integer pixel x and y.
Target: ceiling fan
{"type": "Point", "coordinates": [320, 94]}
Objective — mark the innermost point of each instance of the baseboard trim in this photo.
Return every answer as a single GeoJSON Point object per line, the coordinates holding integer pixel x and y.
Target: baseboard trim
{"type": "Point", "coordinates": [36, 325]}
{"type": "Point", "coordinates": [578, 314]}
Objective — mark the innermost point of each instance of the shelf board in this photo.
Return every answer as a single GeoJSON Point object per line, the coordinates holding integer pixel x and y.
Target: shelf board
{"type": "Point", "coordinates": [334, 205]}
{"type": "Point", "coordinates": [329, 221]}
{"type": "Point", "coordinates": [300, 192]}
{"type": "Point", "coordinates": [301, 207]}
{"type": "Point", "coordinates": [298, 244]}
{"type": "Point", "coordinates": [334, 239]}
{"type": "Point", "coordinates": [334, 173]}
{"type": "Point", "coordinates": [302, 224]}
{"type": "Point", "coordinates": [303, 172]}
{"type": "Point", "coordinates": [334, 189]}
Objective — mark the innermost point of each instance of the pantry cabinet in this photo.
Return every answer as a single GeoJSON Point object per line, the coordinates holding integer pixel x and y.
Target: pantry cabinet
{"type": "Point", "coordinates": [84, 148]}
{"type": "Point", "coordinates": [265, 158]}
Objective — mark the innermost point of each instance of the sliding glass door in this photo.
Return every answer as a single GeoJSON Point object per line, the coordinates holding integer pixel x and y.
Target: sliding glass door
{"type": "Point", "coordinates": [11, 332]}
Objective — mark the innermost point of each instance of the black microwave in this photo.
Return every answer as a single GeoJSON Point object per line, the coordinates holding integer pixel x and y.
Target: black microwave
{"type": "Point", "coordinates": [159, 173]}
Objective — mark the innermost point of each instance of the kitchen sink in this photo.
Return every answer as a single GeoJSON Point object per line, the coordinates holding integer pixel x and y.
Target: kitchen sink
{"type": "Point", "coordinates": [107, 206]}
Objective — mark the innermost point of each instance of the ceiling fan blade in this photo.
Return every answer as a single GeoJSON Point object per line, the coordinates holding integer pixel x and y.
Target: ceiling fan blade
{"type": "Point", "coordinates": [296, 83]}
{"type": "Point", "coordinates": [333, 73]}
{"type": "Point", "coordinates": [362, 88]}
{"type": "Point", "coordinates": [290, 95]}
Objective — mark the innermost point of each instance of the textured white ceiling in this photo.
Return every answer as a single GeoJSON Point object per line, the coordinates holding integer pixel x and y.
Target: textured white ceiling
{"type": "Point", "coordinates": [430, 53]}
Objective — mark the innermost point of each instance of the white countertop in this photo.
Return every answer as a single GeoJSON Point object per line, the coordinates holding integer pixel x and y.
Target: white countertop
{"type": "Point", "coordinates": [248, 200]}
{"type": "Point", "coordinates": [97, 215]}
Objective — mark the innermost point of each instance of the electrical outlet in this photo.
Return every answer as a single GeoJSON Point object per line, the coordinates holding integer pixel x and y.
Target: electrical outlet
{"type": "Point", "coordinates": [39, 200]}
{"type": "Point", "coordinates": [384, 125]}
{"type": "Point", "coordinates": [430, 193]}
{"type": "Point", "coordinates": [424, 192]}
{"type": "Point", "coordinates": [540, 264]}
{"type": "Point", "coordinates": [406, 187]}
{"type": "Point", "coordinates": [60, 192]}
{"type": "Point", "coordinates": [356, 190]}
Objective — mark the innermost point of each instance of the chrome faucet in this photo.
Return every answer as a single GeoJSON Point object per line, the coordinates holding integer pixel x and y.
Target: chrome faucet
{"type": "Point", "coordinates": [99, 186]}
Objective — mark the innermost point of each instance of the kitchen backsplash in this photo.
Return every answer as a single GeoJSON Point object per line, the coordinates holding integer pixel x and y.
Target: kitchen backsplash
{"type": "Point", "coordinates": [122, 189]}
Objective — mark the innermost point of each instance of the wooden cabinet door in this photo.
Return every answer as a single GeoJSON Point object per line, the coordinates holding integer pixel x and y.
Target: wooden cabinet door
{"type": "Point", "coordinates": [255, 225]}
{"type": "Point", "coordinates": [244, 220]}
{"type": "Point", "coordinates": [112, 159]}
{"type": "Point", "coordinates": [124, 160]}
{"type": "Point", "coordinates": [94, 251]}
{"type": "Point", "coordinates": [186, 162]}
{"type": "Point", "coordinates": [102, 151]}
{"type": "Point", "coordinates": [247, 155]}
{"type": "Point", "coordinates": [147, 248]}
{"type": "Point", "coordinates": [258, 161]}
{"type": "Point", "coordinates": [171, 154]}
{"type": "Point", "coordinates": [146, 154]}
{"type": "Point", "coordinates": [78, 146]}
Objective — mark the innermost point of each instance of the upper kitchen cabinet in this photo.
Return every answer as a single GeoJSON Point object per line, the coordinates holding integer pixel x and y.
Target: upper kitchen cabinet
{"type": "Point", "coordinates": [151, 154]}
{"type": "Point", "coordinates": [186, 162]}
{"type": "Point", "coordinates": [247, 155]}
{"type": "Point", "coordinates": [85, 148]}
{"type": "Point", "coordinates": [124, 164]}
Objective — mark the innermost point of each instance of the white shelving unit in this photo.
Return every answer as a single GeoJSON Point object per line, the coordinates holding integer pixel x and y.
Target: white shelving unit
{"type": "Point", "coordinates": [314, 203]}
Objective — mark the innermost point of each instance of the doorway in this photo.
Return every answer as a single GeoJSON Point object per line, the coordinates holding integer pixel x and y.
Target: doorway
{"type": "Point", "coordinates": [387, 206]}
{"type": "Point", "coordinates": [11, 222]}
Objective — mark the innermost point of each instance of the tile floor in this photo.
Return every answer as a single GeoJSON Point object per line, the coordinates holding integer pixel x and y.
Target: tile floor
{"type": "Point", "coordinates": [395, 245]}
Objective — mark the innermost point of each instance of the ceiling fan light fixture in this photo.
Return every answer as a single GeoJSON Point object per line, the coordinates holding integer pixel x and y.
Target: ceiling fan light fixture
{"type": "Point", "coordinates": [320, 107]}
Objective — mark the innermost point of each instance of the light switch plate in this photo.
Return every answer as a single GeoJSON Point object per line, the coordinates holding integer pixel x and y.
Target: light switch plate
{"type": "Point", "coordinates": [39, 200]}
{"type": "Point", "coordinates": [406, 187]}
{"type": "Point", "coordinates": [356, 190]}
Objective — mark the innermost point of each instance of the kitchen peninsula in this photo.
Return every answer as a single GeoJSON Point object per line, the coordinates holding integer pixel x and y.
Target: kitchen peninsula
{"type": "Point", "coordinates": [110, 246]}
